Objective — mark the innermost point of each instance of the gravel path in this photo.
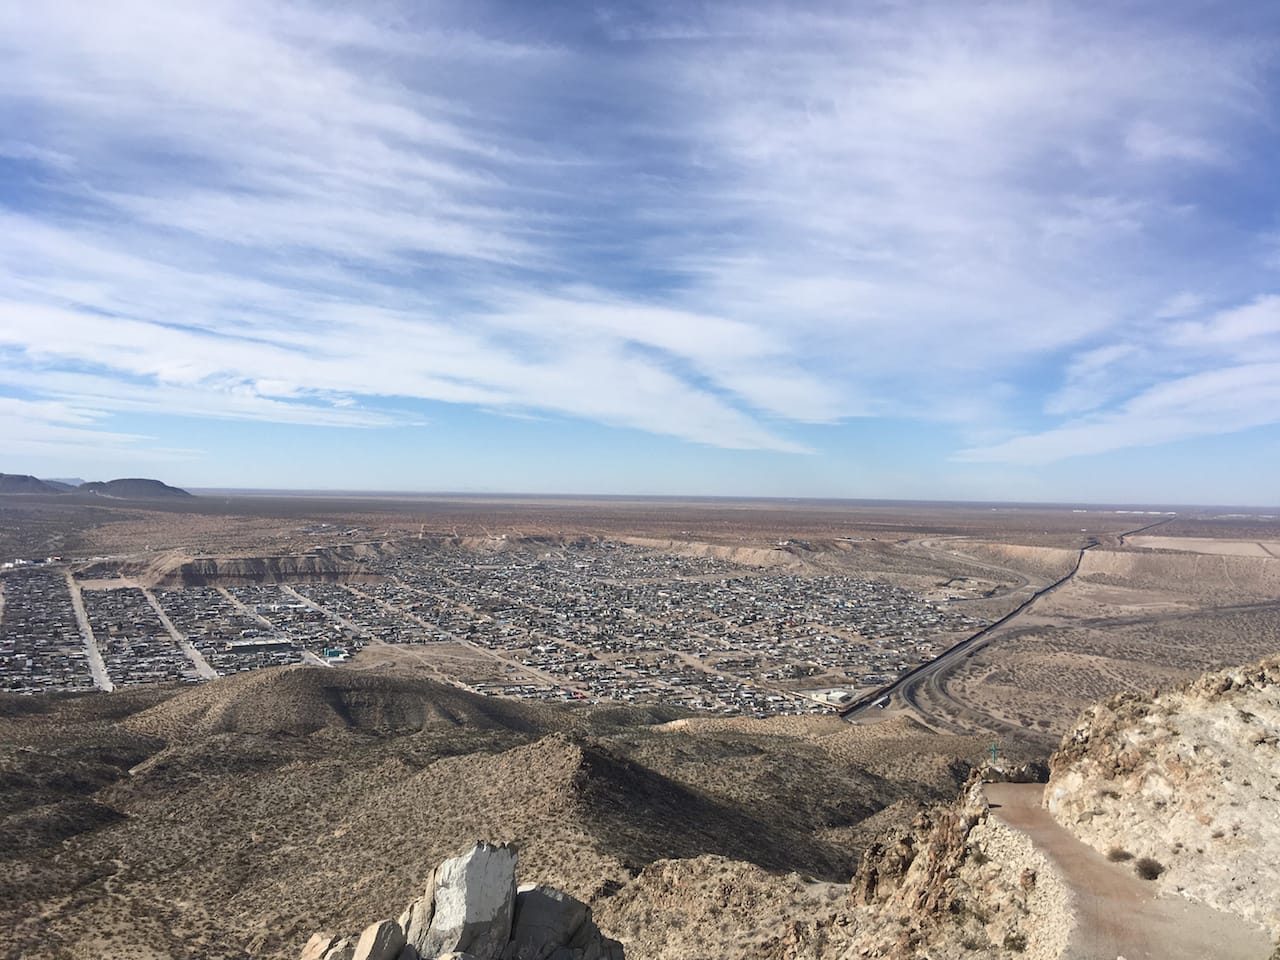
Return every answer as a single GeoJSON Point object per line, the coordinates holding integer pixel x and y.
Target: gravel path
{"type": "Point", "coordinates": [1118, 914]}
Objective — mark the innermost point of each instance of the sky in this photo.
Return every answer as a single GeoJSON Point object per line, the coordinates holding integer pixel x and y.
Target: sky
{"type": "Point", "coordinates": [979, 251]}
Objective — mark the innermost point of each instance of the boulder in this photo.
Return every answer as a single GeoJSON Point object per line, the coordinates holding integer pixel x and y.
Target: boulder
{"type": "Point", "coordinates": [473, 904]}
{"type": "Point", "coordinates": [344, 949]}
{"type": "Point", "coordinates": [546, 919]}
{"type": "Point", "coordinates": [551, 925]}
{"type": "Point", "coordinates": [416, 918]}
{"type": "Point", "coordinates": [380, 941]}
{"type": "Point", "coordinates": [318, 946]}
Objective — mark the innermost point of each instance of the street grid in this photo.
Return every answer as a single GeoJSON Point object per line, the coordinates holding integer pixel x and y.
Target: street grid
{"type": "Point", "coordinates": [597, 621]}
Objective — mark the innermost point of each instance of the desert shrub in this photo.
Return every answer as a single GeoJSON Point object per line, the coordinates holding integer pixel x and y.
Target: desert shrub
{"type": "Point", "coordinates": [1149, 869]}
{"type": "Point", "coordinates": [1118, 855]}
{"type": "Point", "coordinates": [1016, 942]}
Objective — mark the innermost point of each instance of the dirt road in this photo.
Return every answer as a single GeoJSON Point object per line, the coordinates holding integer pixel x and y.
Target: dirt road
{"type": "Point", "coordinates": [97, 666]}
{"type": "Point", "coordinates": [198, 662]}
{"type": "Point", "coordinates": [1118, 914]}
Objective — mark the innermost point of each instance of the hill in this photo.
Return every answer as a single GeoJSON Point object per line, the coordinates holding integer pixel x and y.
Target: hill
{"type": "Point", "coordinates": [220, 820]}
{"type": "Point", "coordinates": [132, 488]}
{"type": "Point", "coordinates": [24, 483]}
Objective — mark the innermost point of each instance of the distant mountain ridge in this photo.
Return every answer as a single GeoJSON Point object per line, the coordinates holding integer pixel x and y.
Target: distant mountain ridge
{"type": "Point", "coordinates": [24, 483]}
{"type": "Point", "coordinates": [132, 488]}
{"type": "Point", "coordinates": [129, 488]}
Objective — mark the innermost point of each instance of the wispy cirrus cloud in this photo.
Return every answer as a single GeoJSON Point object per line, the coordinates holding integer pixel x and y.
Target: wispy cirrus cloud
{"type": "Point", "coordinates": [718, 227]}
{"type": "Point", "coordinates": [1184, 408]}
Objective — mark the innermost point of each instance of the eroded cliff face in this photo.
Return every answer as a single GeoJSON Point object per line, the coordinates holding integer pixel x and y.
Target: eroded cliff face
{"type": "Point", "coordinates": [1186, 785]}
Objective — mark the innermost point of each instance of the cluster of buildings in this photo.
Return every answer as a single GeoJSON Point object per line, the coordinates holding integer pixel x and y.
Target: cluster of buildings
{"type": "Point", "coordinates": [595, 621]}
{"type": "Point", "coordinates": [40, 643]}
{"type": "Point", "coordinates": [134, 644]}
{"type": "Point", "coordinates": [229, 637]}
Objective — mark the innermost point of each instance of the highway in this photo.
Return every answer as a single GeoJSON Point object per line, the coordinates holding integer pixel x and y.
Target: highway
{"type": "Point", "coordinates": [930, 677]}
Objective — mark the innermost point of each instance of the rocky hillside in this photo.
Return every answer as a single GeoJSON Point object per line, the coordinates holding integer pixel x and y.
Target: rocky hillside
{"type": "Point", "coordinates": [1185, 784]}
{"type": "Point", "coordinates": [235, 819]}
{"type": "Point", "coordinates": [955, 882]}
{"type": "Point", "coordinates": [219, 821]}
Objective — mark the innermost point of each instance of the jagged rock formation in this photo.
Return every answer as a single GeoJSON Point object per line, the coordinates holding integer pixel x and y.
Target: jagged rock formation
{"type": "Point", "coordinates": [472, 910]}
{"type": "Point", "coordinates": [1186, 786]}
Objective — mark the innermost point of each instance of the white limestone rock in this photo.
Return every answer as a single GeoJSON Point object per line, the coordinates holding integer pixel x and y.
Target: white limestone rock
{"type": "Point", "coordinates": [473, 904]}
{"type": "Point", "coordinates": [380, 941]}
{"type": "Point", "coordinates": [318, 947]}
{"type": "Point", "coordinates": [416, 918]}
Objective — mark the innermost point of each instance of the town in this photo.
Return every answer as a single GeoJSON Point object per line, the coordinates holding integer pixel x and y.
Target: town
{"type": "Point", "coordinates": [594, 621]}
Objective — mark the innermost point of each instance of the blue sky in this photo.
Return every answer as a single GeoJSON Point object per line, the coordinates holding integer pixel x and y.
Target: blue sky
{"type": "Point", "coordinates": [965, 251]}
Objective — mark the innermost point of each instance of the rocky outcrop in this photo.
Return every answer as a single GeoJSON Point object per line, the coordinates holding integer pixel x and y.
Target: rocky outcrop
{"type": "Point", "coordinates": [471, 909]}
{"type": "Point", "coordinates": [471, 901]}
{"type": "Point", "coordinates": [961, 878]}
{"type": "Point", "coordinates": [1184, 785]}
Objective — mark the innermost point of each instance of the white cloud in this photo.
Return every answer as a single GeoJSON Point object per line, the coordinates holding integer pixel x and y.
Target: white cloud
{"type": "Point", "coordinates": [57, 429]}
{"type": "Point", "coordinates": [1179, 305]}
{"type": "Point", "coordinates": [711, 229]}
{"type": "Point", "coordinates": [1151, 142]}
{"type": "Point", "coordinates": [1244, 330]}
{"type": "Point", "coordinates": [1093, 379]}
{"type": "Point", "coordinates": [1217, 401]}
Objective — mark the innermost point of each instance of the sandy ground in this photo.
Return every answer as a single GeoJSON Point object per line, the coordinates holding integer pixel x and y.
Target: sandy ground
{"type": "Point", "coordinates": [1227, 548]}
{"type": "Point", "coordinates": [1118, 914]}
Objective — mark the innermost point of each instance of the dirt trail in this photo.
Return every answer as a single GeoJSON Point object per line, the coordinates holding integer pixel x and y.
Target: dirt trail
{"type": "Point", "coordinates": [1118, 914]}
